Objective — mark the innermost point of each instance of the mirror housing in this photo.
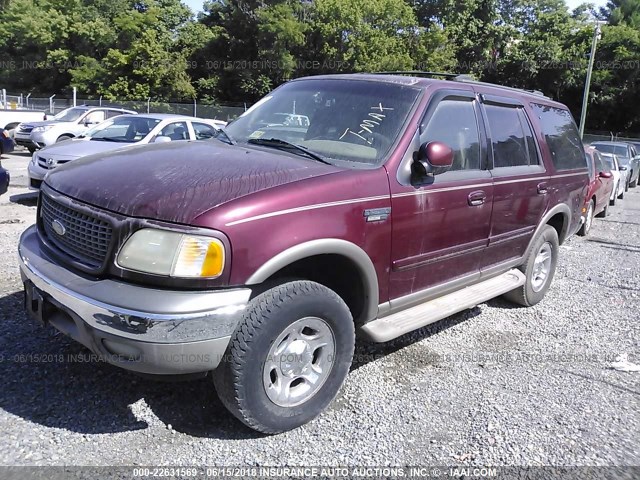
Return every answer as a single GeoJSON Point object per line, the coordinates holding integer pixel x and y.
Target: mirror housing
{"type": "Point", "coordinates": [162, 139]}
{"type": "Point", "coordinates": [623, 169]}
{"type": "Point", "coordinates": [605, 175]}
{"type": "Point", "coordinates": [433, 158]}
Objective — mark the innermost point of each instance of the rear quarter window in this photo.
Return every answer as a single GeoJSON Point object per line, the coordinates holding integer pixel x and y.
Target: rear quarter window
{"type": "Point", "coordinates": [562, 137]}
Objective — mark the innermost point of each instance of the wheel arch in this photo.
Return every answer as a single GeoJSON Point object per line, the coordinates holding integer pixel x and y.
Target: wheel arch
{"type": "Point", "coordinates": [342, 253]}
{"type": "Point", "coordinates": [559, 217]}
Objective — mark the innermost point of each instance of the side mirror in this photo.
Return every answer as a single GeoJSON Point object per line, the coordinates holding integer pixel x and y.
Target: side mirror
{"type": "Point", "coordinates": [605, 175]}
{"type": "Point", "coordinates": [623, 169]}
{"type": "Point", "coordinates": [433, 158]}
{"type": "Point", "coordinates": [162, 139]}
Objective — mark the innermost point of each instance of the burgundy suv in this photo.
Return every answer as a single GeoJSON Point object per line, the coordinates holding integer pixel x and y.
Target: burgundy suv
{"type": "Point", "coordinates": [389, 203]}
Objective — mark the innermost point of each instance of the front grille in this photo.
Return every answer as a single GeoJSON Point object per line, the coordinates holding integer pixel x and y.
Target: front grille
{"type": "Point", "coordinates": [85, 238]}
{"type": "Point", "coordinates": [26, 128]}
{"type": "Point", "coordinates": [43, 163]}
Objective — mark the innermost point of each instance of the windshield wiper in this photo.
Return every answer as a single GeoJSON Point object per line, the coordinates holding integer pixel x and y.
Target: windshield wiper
{"type": "Point", "coordinates": [284, 145]}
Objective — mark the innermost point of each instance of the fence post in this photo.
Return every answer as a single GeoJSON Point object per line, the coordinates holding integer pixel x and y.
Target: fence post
{"type": "Point", "coordinates": [100, 104]}
{"type": "Point", "coordinates": [27, 99]}
{"type": "Point", "coordinates": [195, 107]}
{"type": "Point", "coordinates": [148, 104]}
{"type": "Point", "coordinates": [4, 99]}
{"type": "Point", "coordinates": [51, 104]}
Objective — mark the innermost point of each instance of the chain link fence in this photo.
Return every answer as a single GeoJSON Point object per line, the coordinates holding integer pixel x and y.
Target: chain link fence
{"type": "Point", "coordinates": [54, 104]}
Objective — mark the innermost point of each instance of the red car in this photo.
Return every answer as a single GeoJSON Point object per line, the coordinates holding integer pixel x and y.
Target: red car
{"type": "Point", "coordinates": [600, 188]}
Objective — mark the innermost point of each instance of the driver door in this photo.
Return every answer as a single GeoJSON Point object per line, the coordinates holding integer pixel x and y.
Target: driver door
{"type": "Point", "coordinates": [441, 229]}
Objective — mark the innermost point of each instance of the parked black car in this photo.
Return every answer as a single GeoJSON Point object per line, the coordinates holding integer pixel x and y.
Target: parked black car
{"type": "Point", "coordinates": [6, 142]}
{"type": "Point", "coordinates": [4, 180]}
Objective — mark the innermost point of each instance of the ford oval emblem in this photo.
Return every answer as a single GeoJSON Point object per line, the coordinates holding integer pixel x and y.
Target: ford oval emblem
{"type": "Point", "coordinates": [58, 227]}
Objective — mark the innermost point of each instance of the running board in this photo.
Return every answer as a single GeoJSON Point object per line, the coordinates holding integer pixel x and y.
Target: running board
{"type": "Point", "coordinates": [397, 324]}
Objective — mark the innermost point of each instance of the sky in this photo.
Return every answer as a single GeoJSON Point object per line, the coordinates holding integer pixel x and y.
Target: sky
{"type": "Point", "coordinates": [196, 5]}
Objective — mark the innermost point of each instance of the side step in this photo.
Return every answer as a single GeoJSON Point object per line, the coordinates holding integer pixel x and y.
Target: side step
{"type": "Point", "coordinates": [388, 328]}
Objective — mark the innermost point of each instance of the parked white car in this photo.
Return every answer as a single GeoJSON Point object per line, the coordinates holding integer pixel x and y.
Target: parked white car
{"type": "Point", "coordinates": [121, 132]}
{"type": "Point", "coordinates": [69, 123]}
{"type": "Point", "coordinates": [620, 176]}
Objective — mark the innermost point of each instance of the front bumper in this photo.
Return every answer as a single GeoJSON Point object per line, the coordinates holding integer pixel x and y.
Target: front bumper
{"type": "Point", "coordinates": [36, 175]}
{"type": "Point", "coordinates": [24, 140]}
{"type": "Point", "coordinates": [141, 329]}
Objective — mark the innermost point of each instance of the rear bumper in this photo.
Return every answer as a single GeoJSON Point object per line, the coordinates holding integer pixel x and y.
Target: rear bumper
{"type": "Point", "coordinates": [140, 329]}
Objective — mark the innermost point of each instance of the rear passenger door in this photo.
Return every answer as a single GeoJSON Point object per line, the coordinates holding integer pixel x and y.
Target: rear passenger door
{"type": "Point", "coordinates": [441, 228]}
{"type": "Point", "coordinates": [520, 181]}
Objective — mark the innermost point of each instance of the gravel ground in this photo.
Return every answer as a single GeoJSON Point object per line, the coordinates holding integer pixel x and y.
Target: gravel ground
{"type": "Point", "coordinates": [496, 385]}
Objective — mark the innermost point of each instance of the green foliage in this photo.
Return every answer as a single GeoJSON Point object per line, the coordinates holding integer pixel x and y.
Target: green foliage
{"type": "Point", "coordinates": [238, 50]}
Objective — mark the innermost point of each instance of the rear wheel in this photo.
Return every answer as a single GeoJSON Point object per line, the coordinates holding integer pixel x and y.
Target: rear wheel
{"type": "Point", "coordinates": [634, 184]}
{"type": "Point", "coordinates": [604, 212]}
{"type": "Point", "coordinates": [539, 269]}
{"type": "Point", "coordinates": [288, 358]}
{"type": "Point", "coordinates": [588, 222]}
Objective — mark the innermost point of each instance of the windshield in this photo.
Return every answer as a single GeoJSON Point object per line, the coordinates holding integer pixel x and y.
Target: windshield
{"type": "Point", "coordinates": [344, 120]}
{"type": "Point", "coordinates": [619, 150]}
{"type": "Point", "coordinates": [70, 115]}
{"type": "Point", "coordinates": [123, 129]}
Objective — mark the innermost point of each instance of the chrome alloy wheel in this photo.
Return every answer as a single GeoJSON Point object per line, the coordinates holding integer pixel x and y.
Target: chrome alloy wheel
{"type": "Point", "coordinates": [542, 267]}
{"type": "Point", "coordinates": [299, 362]}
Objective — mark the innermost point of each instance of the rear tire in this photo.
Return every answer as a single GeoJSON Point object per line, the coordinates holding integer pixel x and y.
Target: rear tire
{"type": "Point", "coordinates": [288, 357]}
{"type": "Point", "coordinates": [588, 222]}
{"type": "Point", "coordinates": [605, 212]}
{"type": "Point", "coordinates": [539, 269]}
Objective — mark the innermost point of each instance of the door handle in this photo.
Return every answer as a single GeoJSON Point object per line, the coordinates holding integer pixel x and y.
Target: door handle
{"type": "Point", "coordinates": [543, 188]}
{"type": "Point", "coordinates": [476, 199]}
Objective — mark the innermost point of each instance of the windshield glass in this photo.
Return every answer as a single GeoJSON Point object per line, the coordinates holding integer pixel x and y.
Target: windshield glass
{"type": "Point", "coordinates": [344, 120]}
{"type": "Point", "coordinates": [70, 115]}
{"type": "Point", "coordinates": [123, 129]}
{"type": "Point", "coordinates": [619, 150]}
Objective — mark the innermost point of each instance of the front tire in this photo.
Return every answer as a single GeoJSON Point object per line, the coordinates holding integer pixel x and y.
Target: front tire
{"type": "Point", "coordinates": [288, 357]}
{"type": "Point", "coordinates": [539, 269]}
{"type": "Point", "coordinates": [604, 212]}
{"type": "Point", "coordinates": [588, 222]}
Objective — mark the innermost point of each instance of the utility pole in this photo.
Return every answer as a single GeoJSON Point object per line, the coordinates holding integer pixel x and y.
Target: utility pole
{"type": "Point", "coordinates": [597, 33]}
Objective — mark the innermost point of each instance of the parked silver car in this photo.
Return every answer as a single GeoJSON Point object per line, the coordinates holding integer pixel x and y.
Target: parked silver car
{"type": "Point", "coordinates": [69, 123]}
{"type": "Point", "coordinates": [627, 156]}
{"type": "Point", "coordinates": [620, 176]}
{"type": "Point", "coordinates": [121, 132]}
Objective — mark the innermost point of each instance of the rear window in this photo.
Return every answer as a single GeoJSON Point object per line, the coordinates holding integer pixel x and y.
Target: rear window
{"type": "Point", "coordinates": [562, 137]}
{"type": "Point", "coordinates": [619, 150]}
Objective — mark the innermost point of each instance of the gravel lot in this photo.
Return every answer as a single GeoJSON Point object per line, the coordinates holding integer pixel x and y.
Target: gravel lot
{"type": "Point", "coordinates": [496, 385]}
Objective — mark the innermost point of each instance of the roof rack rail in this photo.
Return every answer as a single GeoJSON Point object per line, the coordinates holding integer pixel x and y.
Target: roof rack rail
{"type": "Point", "coordinates": [460, 77]}
{"type": "Point", "coordinates": [418, 73]}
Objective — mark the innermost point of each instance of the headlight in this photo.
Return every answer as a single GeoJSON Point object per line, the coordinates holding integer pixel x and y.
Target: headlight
{"type": "Point", "coordinates": [44, 128]}
{"type": "Point", "coordinates": [161, 252]}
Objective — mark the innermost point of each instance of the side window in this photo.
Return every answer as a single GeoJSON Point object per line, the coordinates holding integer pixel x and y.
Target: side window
{"type": "Point", "coordinates": [600, 165]}
{"type": "Point", "coordinates": [534, 158]}
{"type": "Point", "coordinates": [175, 131]}
{"type": "Point", "coordinates": [94, 118]}
{"type": "Point", "coordinates": [203, 131]}
{"type": "Point", "coordinates": [454, 123]}
{"type": "Point", "coordinates": [562, 137]}
{"type": "Point", "coordinates": [510, 148]}
{"type": "Point", "coordinates": [113, 113]}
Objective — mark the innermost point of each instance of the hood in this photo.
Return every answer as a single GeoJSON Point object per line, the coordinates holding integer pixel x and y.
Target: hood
{"type": "Point", "coordinates": [177, 182]}
{"type": "Point", "coordinates": [42, 123]}
{"type": "Point", "coordinates": [80, 147]}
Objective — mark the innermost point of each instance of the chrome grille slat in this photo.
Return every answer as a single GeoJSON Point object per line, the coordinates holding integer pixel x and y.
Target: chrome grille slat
{"type": "Point", "coordinates": [86, 238]}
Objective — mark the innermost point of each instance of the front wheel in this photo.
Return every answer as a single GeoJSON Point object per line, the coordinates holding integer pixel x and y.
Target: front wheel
{"type": "Point", "coordinates": [288, 358]}
{"type": "Point", "coordinates": [539, 269]}
{"type": "Point", "coordinates": [62, 138]}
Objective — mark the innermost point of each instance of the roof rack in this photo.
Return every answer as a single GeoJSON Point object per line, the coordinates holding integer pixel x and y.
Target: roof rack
{"type": "Point", "coordinates": [459, 77]}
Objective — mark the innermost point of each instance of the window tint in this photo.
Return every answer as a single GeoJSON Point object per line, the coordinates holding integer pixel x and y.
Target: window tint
{"type": "Point", "coordinates": [203, 131]}
{"type": "Point", "coordinates": [562, 137]}
{"type": "Point", "coordinates": [510, 146]}
{"type": "Point", "coordinates": [592, 163]}
{"type": "Point", "coordinates": [176, 131]}
{"type": "Point", "coordinates": [454, 123]}
{"type": "Point", "coordinates": [534, 158]}
{"type": "Point", "coordinates": [113, 113]}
